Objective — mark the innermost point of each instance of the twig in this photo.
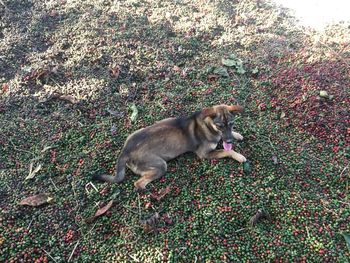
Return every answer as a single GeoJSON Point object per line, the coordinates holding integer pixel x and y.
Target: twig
{"type": "Point", "coordinates": [138, 200]}
{"type": "Point", "coordinates": [134, 258]}
{"type": "Point", "coordinates": [53, 184]}
{"type": "Point", "coordinates": [183, 249]}
{"type": "Point", "coordinates": [239, 230]}
{"type": "Point", "coordinates": [346, 167]}
{"type": "Point", "coordinates": [307, 231]}
{"type": "Point", "coordinates": [30, 223]}
{"type": "Point", "coordinates": [2, 3]}
{"type": "Point", "coordinates": [92, 185]}
{"type": "Point", "coordinates": [71, 254]}
{"type": "Point", "coordinates": [53, 80]}
{"type": "Point", "coordinates": [47, 253]}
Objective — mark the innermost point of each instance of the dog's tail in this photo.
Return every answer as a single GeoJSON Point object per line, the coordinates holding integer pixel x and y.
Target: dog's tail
{"type": "Point", "coordinates": [119, 172]}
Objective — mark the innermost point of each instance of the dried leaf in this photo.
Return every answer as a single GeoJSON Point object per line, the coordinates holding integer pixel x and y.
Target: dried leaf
{"type": "Point", "coordinates": [37, 200]}
{"type": "Point", "coordinates": [166, 218]}
{"type": "Point", "coordinates": [161, 193]}
{"type": "Point", "coordinates": [100, 211]}
{"type": "Point", "coordinates": [148, 228]}
{"type": "Point", "coordinates": [240, 69]}
{"type": "Point", "coordinates": [260, 214]}
{"type": "Point", "coordinates": [33, 172]}
{"type": "Point", "coordinates": [153, 220]}
{"type": "Point", "coordinates": [5, 88]}
{"type": "Point", "coordinates": [115, 113]}
{"type": "Point", "coordinates": [221, 71]}
{"type": "Point", "coordinates": [212, 77]}
{"type": "Point", "coordinates": [283, 114]}
{"type": "Point", "coordinates": [68, 98]}
{"type": "Point", "coordinates": [255, 71]}
{"type": "Point", "coordinates": [149, 225]}
{"type": "Point", "coordinates": [228, 62]}
{"type": "Point", "coordinates": [115, 71]}
{"type": "Point", "coordinates": [134, 112]}
{"type": "Point", "coordinates": [232, 56]}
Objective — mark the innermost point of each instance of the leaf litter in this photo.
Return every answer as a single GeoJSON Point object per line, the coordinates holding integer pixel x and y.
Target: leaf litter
{"type": "Point", "coordinates": [37, 200]}
{"type": "Point", "coordinates": [101, 211]}
{"type": "Point", "coordinates": [161, 194]}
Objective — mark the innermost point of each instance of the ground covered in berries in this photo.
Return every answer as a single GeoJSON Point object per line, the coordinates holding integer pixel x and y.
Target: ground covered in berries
{"type": "Point", "coordinates": [76, 77]}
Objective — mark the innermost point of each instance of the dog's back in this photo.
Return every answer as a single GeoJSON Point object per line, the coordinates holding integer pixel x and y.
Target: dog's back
{"type": "Point", "coordinates": [167, 139]}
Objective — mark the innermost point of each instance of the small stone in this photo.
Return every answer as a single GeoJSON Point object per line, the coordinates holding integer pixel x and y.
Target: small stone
{"type": "Point", "coordinates": [324, 94]}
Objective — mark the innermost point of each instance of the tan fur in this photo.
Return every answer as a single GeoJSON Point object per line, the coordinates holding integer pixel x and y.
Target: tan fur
{"type": "Point", "coordinates": [147, 150]}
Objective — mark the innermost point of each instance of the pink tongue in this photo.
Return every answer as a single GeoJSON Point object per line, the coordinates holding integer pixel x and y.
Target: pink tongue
{"type": "Point", "coordinates": [227, 146]}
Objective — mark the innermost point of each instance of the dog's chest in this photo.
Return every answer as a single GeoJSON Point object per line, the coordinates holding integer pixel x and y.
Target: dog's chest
{"type": "Point", "coordinates": [212, 145]}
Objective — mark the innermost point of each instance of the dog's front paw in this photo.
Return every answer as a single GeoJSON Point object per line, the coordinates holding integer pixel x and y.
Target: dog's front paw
{"type": "Point", "coordinates": [237, 136]}
{"type": "Point", "coordinates": [239, 157]}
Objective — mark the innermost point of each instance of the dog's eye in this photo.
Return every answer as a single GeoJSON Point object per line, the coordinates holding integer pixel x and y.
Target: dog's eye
{"type": "Point", "coordinates": [230, 123]}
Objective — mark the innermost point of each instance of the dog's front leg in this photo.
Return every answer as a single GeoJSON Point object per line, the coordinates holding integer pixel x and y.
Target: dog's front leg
{"type": "Point", "coordinates": [218, 154]}
{"type": "Point", "coordinates": [237, 136]}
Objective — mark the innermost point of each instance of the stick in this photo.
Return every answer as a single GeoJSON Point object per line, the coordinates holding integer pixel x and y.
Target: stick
{"type": "Point", "coordinates": [2, 2]}
{"type": "Point", "coordinates": [54, 184]}
{"type": "Point", "coordinates": [30, 223]}
{"type": "Point", "coordinates": [71, 254]}
{"type": "Point", "coordinates": [47, 253]}
{"type": "Point", "coordinates": [138, 199]}
{"type": "Point", "coordinates": [346, 167]}
{"type": "Point", "coordinates": [239, 230]}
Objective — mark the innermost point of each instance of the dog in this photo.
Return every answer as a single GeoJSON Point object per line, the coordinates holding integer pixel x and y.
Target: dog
{"type": "Point", "coordinates": [146, 151]}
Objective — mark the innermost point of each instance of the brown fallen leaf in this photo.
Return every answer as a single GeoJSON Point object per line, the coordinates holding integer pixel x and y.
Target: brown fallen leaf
{"type": "Point", "coordinates": [37, 200]}
{"type": "Point", "coordinates": [167, 219]}
{"type": "Point", "coordinates": [149, 224]}
{"type": "Point", "coordinates": [161, 193]}
{"type": "Point", "coordinates": [213, 77]}
{"type": "Point", "coordinates": [68, 98]}
{"type": "Point", "coordinates": [100, 212]}
{"type": "Point", "coordinates": [260, 214]}
{"type": "Point", "coordinates": [115, 71]}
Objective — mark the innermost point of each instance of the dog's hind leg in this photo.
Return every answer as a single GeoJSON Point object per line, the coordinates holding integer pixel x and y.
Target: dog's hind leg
{"type": "Point", "coordinates": [157, 170]}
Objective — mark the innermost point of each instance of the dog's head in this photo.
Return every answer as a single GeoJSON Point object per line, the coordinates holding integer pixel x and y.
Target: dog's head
{"type": "Point", "coordinates": [220, 118]}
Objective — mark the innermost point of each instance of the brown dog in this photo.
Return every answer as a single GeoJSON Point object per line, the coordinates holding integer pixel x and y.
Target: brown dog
{"type": "Point", "coordinates": [147, 150]}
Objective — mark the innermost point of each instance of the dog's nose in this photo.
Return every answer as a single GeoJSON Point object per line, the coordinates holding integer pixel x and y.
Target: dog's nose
{"type": "Point", "coordinates": [228, 141]}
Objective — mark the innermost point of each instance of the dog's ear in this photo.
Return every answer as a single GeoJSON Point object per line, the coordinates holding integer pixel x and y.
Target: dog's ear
{"type": "Point", "coordinates": [209, 112]}
{"type": "Point", "coordinates": [235, 109]}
